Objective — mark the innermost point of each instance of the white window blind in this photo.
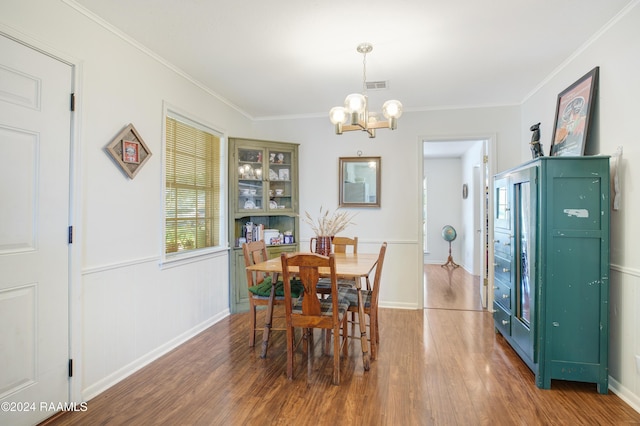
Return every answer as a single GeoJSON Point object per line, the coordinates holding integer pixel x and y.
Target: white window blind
{"type": "Point", "coordinates": [192, 187]}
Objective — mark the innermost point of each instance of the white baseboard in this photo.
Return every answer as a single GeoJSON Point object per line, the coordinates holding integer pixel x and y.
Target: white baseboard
{"type": "Point", "coordinates": [396, 305]}
{"type": "Point", "coordinates": [124, 372]}
{"type": "Point", "coordinates": [625, 394]}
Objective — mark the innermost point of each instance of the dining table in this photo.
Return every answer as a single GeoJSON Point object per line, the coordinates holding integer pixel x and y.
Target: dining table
{"type": "Point", "coordinates": [351, 266]}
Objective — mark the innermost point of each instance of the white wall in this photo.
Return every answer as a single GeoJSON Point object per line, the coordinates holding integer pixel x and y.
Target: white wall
{"type": "Point", "coordinates": [617, 54]}
{"type": "Point", "coordinates": [444, 180]}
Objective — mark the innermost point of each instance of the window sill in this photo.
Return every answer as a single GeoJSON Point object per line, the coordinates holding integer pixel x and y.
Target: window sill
{"type": "Point", "coordinates": [178, 259]}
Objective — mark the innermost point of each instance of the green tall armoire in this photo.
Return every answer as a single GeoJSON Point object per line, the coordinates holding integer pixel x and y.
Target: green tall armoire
{"type": "Point", "coordinates": [551, 260]}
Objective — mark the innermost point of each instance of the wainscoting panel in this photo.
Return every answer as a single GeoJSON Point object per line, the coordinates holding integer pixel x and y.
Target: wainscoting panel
{"type": "Point", "coordinates": [135, 312]}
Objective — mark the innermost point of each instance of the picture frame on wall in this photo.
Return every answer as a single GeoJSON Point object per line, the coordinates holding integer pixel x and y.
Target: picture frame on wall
{"type": "Point", "coordinates": [129, 151]}
{"type": "Point", "coordinates": [574, 111]}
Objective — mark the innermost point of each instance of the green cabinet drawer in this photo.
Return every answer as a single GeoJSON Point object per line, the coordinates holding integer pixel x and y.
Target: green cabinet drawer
{"type": "Point", "coordinates": [502, 244]}
{"type": "Point", "coordinates": [275, 251]}
{"type": "Point", "coordinates": [502, 269]}
{"type": "Point", "coordinates": [502, 319]}
{"type": "Point", "coordinates": [502, 294]}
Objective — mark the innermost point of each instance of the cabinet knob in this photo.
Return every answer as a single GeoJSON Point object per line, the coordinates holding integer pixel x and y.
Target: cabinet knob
{"type": "Point", "coordinates": [495, 264]}
{"type": "Point", "coordinates": [505, 296]}
{"type": "Point", "coordinates": [506, 270]}
{"type": "Point", "coordinates": [507, 243]}
{"type": "Point", "coordinates": [495, 287]}
{"type": "Point", "coordinates": [496, 241]}
{"type": "Point", "coordinates": [505, 322]}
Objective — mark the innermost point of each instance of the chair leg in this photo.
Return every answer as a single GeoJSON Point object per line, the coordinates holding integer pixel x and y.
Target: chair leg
{"type": "Point", "coordinates": [305, 341]}
{"type": "Point", "coordinates": [290, 342]}
{"type": "Point", "coordinates": [336, 354]}
{"type": "Point", "coordinates": [373, 331]}
{"type": "Point", "coordinates": [345, 335]}
{"type": "Point", "coordinates": [252, 328]}
{"type": "Point", "coordinates": [268, 322]}
{"type": "Point", "coordinates": [310, 341]}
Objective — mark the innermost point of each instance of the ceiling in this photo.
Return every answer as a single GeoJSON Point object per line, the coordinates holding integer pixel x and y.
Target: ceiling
{"type": "Point", "coordinates": [297, 58]}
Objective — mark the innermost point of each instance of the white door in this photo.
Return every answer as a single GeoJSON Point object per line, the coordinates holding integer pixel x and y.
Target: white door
{"type": "Point", "coordinates": [35, 121]}
{"type": "Point", "coordinates": [480, 176]}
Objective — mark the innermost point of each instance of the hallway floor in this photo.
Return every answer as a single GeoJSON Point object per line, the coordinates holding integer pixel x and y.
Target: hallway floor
{"type": "Point", "coordinates": [447, 288]}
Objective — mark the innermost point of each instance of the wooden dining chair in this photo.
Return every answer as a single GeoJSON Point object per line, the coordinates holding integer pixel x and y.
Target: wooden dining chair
{"type": "Point", "coordinates": [340, 245]}
{"type": "Point", "coordinates": [310, 311]}
{"type": "Point", "coordinates": [261, 289]}
{"type": "Point", "coordinates": [370, 300]}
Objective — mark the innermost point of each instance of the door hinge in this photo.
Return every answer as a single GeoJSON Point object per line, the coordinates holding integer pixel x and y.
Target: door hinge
{"type": "Point", "coordinates": [70, 368]}
{"type": "Point", "coordinates": [70, 237]}
{"type": "Point", "coordinates": [485, 159]}
{"type": "Point", "coordinates": [73, 102]}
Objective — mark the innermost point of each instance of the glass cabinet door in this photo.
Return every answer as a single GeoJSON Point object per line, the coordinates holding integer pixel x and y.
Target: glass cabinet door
{"type": "Point", "coordinates": [280, 189]}
{"type": "Point", "coordinates": [523, 212]}
{"type": "Point", "coordinates": [523, 221]}
{"type": "Point", "coordinates": [250, 186]}
{"type": "Point", "coordinates": [265, 180]}
{"type": "Point", "coordinates": [524, 216]}
{"type": "Point", "coordinates": [502, 207]}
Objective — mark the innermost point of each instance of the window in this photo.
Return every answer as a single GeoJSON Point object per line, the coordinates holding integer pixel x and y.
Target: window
{"type": "Point", "coordinates": [193, 186]}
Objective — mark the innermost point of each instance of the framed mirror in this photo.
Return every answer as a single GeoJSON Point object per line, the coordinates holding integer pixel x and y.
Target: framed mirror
{"type": "Point", "coordinates": [359, 181]}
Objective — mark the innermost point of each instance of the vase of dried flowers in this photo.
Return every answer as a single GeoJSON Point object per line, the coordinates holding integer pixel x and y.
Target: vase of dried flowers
{"type": "Point", "coordinates": [325, 227]}
{"type": "Point", "coordinates": [322, 246]}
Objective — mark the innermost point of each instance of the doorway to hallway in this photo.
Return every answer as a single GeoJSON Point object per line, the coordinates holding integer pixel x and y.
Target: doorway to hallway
{"type": "Point", "coordinates": [455, 181]}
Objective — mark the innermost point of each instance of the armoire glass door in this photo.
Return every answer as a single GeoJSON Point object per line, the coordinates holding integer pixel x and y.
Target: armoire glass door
{"type": "Point", "coordinates": [523, 224]}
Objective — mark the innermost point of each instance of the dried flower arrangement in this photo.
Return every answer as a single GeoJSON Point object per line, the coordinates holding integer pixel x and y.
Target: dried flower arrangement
{"type": "Point", "coordinates": [327, 224]}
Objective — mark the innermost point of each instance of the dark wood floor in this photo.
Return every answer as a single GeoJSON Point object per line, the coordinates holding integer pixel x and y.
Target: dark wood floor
{"type": "Point", "coordinates": [440, 366]}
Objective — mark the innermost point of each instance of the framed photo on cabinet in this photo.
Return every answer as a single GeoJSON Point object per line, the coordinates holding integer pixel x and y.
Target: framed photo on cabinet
{"type": "Point", "coordinates": [574, 111]}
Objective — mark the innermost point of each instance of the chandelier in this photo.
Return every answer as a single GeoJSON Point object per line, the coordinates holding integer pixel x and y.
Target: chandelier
{"type": "Point", "coordinates": [355, 114]}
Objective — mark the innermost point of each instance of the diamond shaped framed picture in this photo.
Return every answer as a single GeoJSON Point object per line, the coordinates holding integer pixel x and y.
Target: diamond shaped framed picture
{"type": "Point", "coordinates": [129, 151]}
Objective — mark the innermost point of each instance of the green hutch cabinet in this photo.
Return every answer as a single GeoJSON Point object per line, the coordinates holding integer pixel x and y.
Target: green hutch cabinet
{"type": "Point", "coordinates": [551, 260]}
{"type": "Point", "coordinates": [263, 191]}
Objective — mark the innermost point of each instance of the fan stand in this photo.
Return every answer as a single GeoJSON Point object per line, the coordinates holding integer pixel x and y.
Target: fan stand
{"type": "Point", "coordinates": [450, 261]}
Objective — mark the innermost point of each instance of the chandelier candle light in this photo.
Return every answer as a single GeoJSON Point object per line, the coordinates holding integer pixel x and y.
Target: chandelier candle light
{"type": "Point", "coordinates": [355, 113]}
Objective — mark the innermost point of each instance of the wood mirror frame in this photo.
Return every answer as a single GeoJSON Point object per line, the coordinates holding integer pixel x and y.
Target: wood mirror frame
{"type": "Point", "coordinates": [359, 181]}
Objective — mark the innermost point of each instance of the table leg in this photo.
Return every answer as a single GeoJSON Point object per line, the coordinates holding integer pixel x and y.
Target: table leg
{"type": "Point", "coordinates": [363, 331]}
{"type": "Point", "coordinates": [268, 320]}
